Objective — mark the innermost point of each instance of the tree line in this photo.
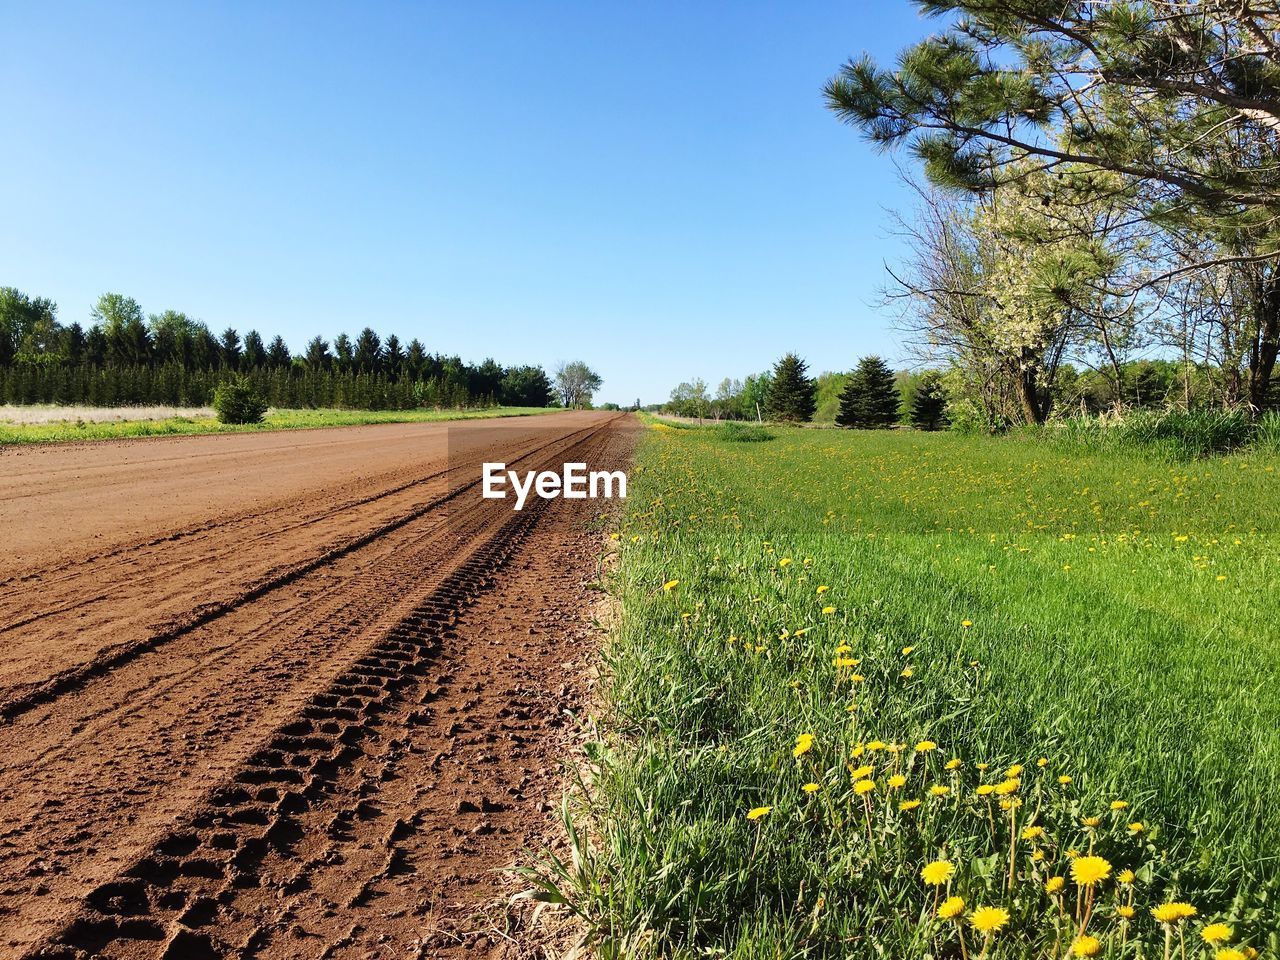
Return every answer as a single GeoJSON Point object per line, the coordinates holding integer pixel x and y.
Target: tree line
{"type": "Point", "coordinates": [128, 357]}
{"type": "Point", "coordinates": [1099, 186]}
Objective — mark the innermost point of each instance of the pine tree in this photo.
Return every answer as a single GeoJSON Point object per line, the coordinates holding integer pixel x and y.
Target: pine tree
{"type": "Point", "coordinates": [928, 406]}
{"type": "Point", "coordinates": [870, 398]}
{"type": "Point", "coordinates": [791, 392]}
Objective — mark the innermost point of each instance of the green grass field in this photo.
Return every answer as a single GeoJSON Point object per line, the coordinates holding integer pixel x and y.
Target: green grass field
{"type": "Point", "coordinates": [63, 431]}
{"type": "Point", "coordinates": [805, 617]}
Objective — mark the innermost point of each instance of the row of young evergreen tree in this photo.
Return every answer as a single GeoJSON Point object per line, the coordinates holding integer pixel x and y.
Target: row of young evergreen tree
{"type": "Point", "coordinates": [125, 357]}
{"type": "Point", "coordinates": [870, 399]}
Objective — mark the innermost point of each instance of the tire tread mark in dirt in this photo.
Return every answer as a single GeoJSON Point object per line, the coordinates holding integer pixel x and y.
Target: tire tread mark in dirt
{"type": "Point", "coordinates": [177, 894]}
{"type": "Point", "coordinates": [75, 677]}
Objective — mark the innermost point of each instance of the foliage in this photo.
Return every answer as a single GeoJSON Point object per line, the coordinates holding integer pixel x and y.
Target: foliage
{"type": "Point", "coordinates": [929, 402]}
{"type": "Point", "coordinates": [1098, 618]}
{"type": "Point", "coordinates": [575, 384]}
{"type": "Point", "coordinates": [737, 432]}
{"type": "Point", "coordinates": [1173, 434]}
{"type": "Point", "coordinates": [237, 402]}
{"type": "Point", "coordinates": [791, 391]}
{"type": "Point", "coordinates": [870, 398]}
{"type": "Point", "coordinates": [169, 358]}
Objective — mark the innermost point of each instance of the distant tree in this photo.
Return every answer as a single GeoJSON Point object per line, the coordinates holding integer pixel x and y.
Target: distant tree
{"type": "Point", "coordinates": [27, 324]}
{"type": "Point", "coordinates": [124, 328]}
{"type": "Point", "coordinates": [317, 355]}
{"type": "Point", "coordinates": [576, 383]}
{"type": "Point", "coordinates": [367, 354]}
{"type": "Point", "coordinates": [343, 353]}
{"type": "Point", "coordinates": [929, 404]}
{"type": "Point", "coordinates": [230, 346]}
{"type": "Point", "coordinates": [870, 397]}
{"type": "Point", "coordinates": [415, 359]}
{"type": "Point", "coordinates": [791, 391]}
{"type": "Point", "coordinates": [255, 352]}
{"type": "Point", "coordinates": [278, 353]}
{"type": "Point", "coordinates": [486, 379]}
{"type": "Point", "coordinates": [393, 355]}
{"type": "Point", "coordinates": [205, 351]}
{"type": "Point", "coordinates": [755, 395]}
{"type": "Point", "coordinates": [526, 387]}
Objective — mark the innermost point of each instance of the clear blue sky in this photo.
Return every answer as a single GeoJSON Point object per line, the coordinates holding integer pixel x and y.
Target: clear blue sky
{"type": "Point", "coordinates": [655, 188]}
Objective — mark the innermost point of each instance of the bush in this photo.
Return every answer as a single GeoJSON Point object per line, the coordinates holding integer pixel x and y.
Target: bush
{"type": "Point", "coordinates": [237, 402]}
{"type": "Point", "coordinates": [743, 432]}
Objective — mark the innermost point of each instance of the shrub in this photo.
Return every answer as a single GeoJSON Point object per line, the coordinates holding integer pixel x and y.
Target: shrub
{"type": "Point", "coordinates": [237, 402]}
{"type": "Point", "coordinates": [743, 432]}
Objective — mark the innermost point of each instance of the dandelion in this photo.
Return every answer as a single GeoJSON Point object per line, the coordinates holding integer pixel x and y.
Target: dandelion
{"type": "Point", "coordinates": [1216, 933]}
{"type": "Point", "coordinates": [1064, 779]}
{"type": "Point", "coordinates": [670, 585]}
{"type": "Point", "coordinates": [906, 805]}
{"type": "Point", "coordinates": [1007, 787]}
{"type": "Point", "coordinates": [1119, 804]}
{"type": "Point", "coordinates": [906, 651]}
{"type": "Point", "coordinates": [823, 589]}
{"type": "Point", "coordinates": [875, 745]}
{"type": "Point", "coordinates": [1124, 912]}
{"type": "Point", "coordinates": [924, 746]}
{"type": "Point", "coordinates": [828, 610]}
{"type": "Point", "coordinates": [1137, 826]}
{"type": "Point", "coordinates": [939, 790]}
{"type": "Point", "coordinates": [1171, 913]}
{"type": "Point", "coordinates": [1092, 821]}
{"type": "Point", "coordinates": [1054, 885]}
{"type": "Point", "coordinates": [811, 788]}
{"type": "Point", "coordinates": [863, 771]}
{"type": "Point", "coordinates": [1032, 833]}
{"type": "Point", "coordinates": [951, 908]}
{"type": "Point", "coordinates": [756, 813]}
{"type": "Point", "coordinates": [804, 743]}
{"type": "Point", "coordinates": [1125, 877]}
{"type": "Point", "coordinates": [1014, 771]}
{"type": "Point", "coordinates": [987, 920]}
{"type": "Point", "coordinates": [908, 673]}
{"type": "Point", "coordinates": [897, 780]}
{"type": "Point", "coordinates": [966, 624]}
{"type": "Point", "coordinates": [1042, 762]}
{"type": "Point", "coordinates": [985, 789]}
{"type": "Point", "coordinates": [1230, 953]}
{"type": "Point", "coordinates": [863, 787]}
{"type": "Point", "coordinates": [1086, 871]}
{"type": "Point", "coordinates": [938, 872]}
{"type": "Point", "coordinates": [954, 763]}
{"type": "Point", "coordinates": [1085, 945]}
{"type": "Point", "coordinates": [784, 562]}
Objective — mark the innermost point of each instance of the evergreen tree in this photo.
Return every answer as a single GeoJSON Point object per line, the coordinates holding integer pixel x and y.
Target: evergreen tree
{"type": "Point", "coordinates": [928, 406]}
{"type": "Point", "coordinates": [367, 355]}
{"type": "Point", "coordinates": [318, 357]}
{"type": "Point", "coordinates": [278, 353]}
{"type": "Point", "coordinates": [255, 353]}
{"type": "Point", "coordinates": [231, 348]}
{"type": "Point", "coordinates": [791, 391]}
{"type": "Point", "coordinates": [870, 397]}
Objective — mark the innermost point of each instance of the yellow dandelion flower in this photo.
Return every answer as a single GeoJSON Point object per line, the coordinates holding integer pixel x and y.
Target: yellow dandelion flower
{"type": "Point", "coordinates": [804, 743]}
{"type": "Point", "coordinates": [828, 610]}
{"type": "Point", "coordinates": [1085, 945]}
{"type": "Point", "coordinates": [1009, 786]}
{"type": "Point", "coordinates": [670, 585]}
{"type": "Point", "coordinates": [908, 672]}
{"type": "Point", "coordinates": [811, 788]}
{"type": "Point", "coordinates": [843, 648]}
{"type": "Point", "coordinates": [1216, 933]}
{"type": "Point", "coordinates": [985, 789]}
{"type": "Point", "coordinates": [1086, 871]}
{"type": "Point", "coordinates": [1124, 912]}
{"type": "Point", "coordinates": [863, 771]}
{"type": "Point", "coordinates": [784, 562]}
{"type": "Point", "coordinates": [906, 651]}
{"type": "Point", "coordinates": [1064, 779]}
{"type": "Point", "coordinates": [924, 746]}
{"type": "Point", "coordinates": [755, 813]}
{"type": "Point", "coordinates": [875, 745]}
{"type": "Point", "coordinates": [938, 872]}
{"type": "Point", "coordinates": [1054, 885]}
{"type": "Point", "coordinates": [1119, 804]}
{"type": "Point", "coordinates": [1042, 762]}
{"type": "Point", "coordinates": [1171, 913]}
{"type": "Point", "coordinates": [1231, 953]}
{"type": "Point", "coordinates": [966, 624]}
{"type": "Point", "coordinates": [1014, 772]}
{"type": "Point", "coordinates": [1032, 833]}
{"type": "Point", "coordinates": [864, 787]}
{"type": "Point", "coordinates": [823, 589]}
{"type": "Point", "coordinates": [987, 920]}
{"type": "Point", "coordinates": [939, 790]}
{"type": "Point", "coordinates": [953, 763]}
{"type": "Point", "coordinates": [1037, 854]}
{"type": "Point", "coordinates": [897, 780]}
{"type": "Point", "coordinates": [982, 767]}
{"type": "Point", "coordinates": [906, 805]}
{"type": "Point", "coordinates": [1092, 821]}
{"type": "Point", "coordinates": [951, 908]}
{"type": "Point", "coordinates": [1137, 826]}
{"type": "Point", "coordinates": [1125, 877]}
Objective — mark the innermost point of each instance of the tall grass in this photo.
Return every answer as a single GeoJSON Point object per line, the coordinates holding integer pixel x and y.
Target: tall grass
{"type": "Point", "coordinates": [797, 611]}
{"type": "Point", "coordinates": [1171, 434]}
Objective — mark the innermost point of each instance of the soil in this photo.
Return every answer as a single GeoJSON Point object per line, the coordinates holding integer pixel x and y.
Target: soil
{"type": "Point", "coordinates": [282, 695]}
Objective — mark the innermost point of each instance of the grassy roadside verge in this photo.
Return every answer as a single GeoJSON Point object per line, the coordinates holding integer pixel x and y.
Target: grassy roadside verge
{"type": "Point", "coordinates": [845, 657]}
{"type": "Point", "coordinates": [73, 431]}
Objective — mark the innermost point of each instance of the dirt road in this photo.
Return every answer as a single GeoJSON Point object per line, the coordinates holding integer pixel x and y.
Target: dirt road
{"type": "Point", "coordinates": [284, 695]}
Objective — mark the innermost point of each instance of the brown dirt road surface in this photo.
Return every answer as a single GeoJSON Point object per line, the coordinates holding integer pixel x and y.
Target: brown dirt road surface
{"type": "Point", "coordinates": [286, 694]}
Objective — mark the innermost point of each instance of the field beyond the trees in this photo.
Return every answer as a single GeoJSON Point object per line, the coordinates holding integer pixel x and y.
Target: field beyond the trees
{"type": "Point", "coordinates": [54, 424]}
{"type": "Point", "coordinates": [844, 656]}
